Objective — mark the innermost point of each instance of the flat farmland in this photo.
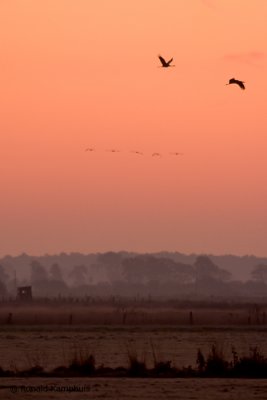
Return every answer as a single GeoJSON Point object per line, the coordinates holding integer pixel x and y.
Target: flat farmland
{"type": "Point", "coordinates": [50, 337]}
{"type": "Point", "coordinates": [133, 389]}
{"type": "Point", "coordinates": [50, 346]}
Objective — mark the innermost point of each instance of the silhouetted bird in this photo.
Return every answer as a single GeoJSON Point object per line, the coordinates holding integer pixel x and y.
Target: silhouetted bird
{"type": "Point", "coordinates": [113, 151]}
{"type": "Point", "coordinates": [237, 82]}
{"type": "Point", "coordinates": [89, 149]}
{"type": "Point", "coordinates": [165, 64]}
{"type": "Point", "coordinates": [176, 154]}
{"type": "Point", "coordinates": [137, 152]}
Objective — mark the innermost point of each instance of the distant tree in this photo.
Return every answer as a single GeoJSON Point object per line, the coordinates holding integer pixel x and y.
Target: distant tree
{"type": "Point", "coordinates": [38, 272]}
{"type": "Point", "coordinates": [112, 264]}
{"type": "Point", "coordinates": [55, 272]}
{"type": "Point", "coordinates": [206, 270]}
{"type": "Point", "coordinates": [56, 285]}
{"type": "Point", "coordinates": [182, 273]}
{"type": "Point", "coordinates": [109, 258]}
{"type": "Point", "coordinates": [3, 289]}
{"type": "Point", "coordinates": [39, 279]}
{"type": "Point", "coordinates": [3, 275]}
{"type": "Point", "coordinates": [259, 273]}
{"type": "Point", "coordinates": [78, 274]}
{"type": "Point", "coordinates": [146, 268]}
{"type": "Point", "coordinates": [140, 269]}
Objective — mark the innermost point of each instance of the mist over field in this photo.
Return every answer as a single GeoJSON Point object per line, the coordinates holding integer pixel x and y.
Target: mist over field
{"type": "Point", "coordinates": [163, 274]}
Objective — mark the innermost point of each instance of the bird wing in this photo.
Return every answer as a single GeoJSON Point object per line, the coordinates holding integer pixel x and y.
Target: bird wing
{"type": "Point", "coordinates": [241, 84]}
{"type": "Point", "coordinates": [170, 61]}
{"type": "Point", "coordinates": [163, 62]}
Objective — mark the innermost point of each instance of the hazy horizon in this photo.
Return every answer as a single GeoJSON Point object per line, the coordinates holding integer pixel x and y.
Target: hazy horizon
{"type": "Point", "coordinates": [193, 253]}
{"type": "Point", "coordinates": [78, 75]}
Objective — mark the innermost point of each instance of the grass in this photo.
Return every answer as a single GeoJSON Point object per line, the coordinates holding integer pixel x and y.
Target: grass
{"type": "Point", "coordinates": [214, 364]}
{"type": "Point", "coordinates": [136, 366]}
{"type": "Point", "coordinates": [252, 366]}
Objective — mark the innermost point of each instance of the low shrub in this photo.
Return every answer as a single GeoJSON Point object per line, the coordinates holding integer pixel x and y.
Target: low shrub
{"type": "Point", "coordinates": [252, 366]}
{"type": "Point", "coordinates": [83, 366]}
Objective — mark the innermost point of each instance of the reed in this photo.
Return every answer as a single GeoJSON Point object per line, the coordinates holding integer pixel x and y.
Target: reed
{"type": "Point", "coordinates": [214, 364]}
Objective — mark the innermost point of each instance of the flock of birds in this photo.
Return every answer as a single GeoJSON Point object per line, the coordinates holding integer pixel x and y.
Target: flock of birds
{"type": "Point", "coordinates": [140, 153]}
{"type": "Point", "coordinates": [167, 64]}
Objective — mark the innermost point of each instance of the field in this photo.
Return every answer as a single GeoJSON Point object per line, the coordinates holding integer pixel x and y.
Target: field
{"type": "Point", "coordinates": [137, 389]}
{"type": "Point", "coordinates": [45, 336]}
{"type": "Point", "coordinates": [51, 346]}
{"type": "Point", "coordinates": [133, 312]}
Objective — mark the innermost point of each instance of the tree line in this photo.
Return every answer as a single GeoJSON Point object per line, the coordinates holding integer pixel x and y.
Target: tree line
{"type": "Point", "coordinates": [130, 275]}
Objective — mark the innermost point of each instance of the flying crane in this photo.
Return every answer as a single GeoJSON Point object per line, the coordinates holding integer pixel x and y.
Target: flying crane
{"type": "Point", "coordinates": [165, 64]}
{"type": "Point", "coordinates": [237, 82]}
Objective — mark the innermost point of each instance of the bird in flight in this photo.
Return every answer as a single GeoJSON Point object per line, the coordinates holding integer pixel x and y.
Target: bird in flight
{"type": "Point", "coordinates": [137, 152]}
{"type": "Point", "coordinates": [165, 64]}
{"type": "Point", "coordinates": [89, 149]}
{"type": "Point", "coordinates": [176, 154]}
{"type": "Point", "coordinates": [113, 151]}
{"type": "Point", "coordinates": [236, 81]}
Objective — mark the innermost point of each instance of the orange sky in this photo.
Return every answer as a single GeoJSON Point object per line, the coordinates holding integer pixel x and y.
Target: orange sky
{"type": "Point", "coordinates": [84, 73]}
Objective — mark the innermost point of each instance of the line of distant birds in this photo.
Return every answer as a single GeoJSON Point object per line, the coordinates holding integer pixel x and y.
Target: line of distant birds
{"type": "Point", "coordinates": [140, 153]}
{"type": "Point", "coordinates": [167, 64]}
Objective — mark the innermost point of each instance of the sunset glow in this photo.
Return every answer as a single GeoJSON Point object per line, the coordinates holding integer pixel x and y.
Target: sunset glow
{"type": "Point", "coordinates": [84, 74]}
